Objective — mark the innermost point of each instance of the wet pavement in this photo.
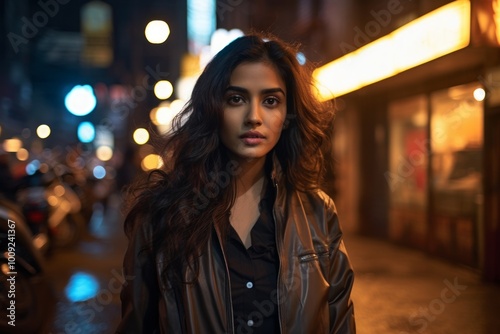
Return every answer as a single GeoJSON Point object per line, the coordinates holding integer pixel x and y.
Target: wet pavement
{"type": "Point", "coordinates": [397, 290]}
{"type": "Point", "coordinates": [87, 279]}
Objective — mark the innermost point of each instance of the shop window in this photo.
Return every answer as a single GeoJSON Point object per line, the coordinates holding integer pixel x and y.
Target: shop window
{"type": "Point", "coordinates": [456, 138]}
{"type": "Point", "coordinates": [407, 175]}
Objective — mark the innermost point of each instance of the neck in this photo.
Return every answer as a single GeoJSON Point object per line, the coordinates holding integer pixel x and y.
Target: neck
{"type": "Point", "coordinates": [252, 176]}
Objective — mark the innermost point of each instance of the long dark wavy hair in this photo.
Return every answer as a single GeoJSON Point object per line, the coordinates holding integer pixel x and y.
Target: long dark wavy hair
{"type": "Point", "coordinates": [183, 202]}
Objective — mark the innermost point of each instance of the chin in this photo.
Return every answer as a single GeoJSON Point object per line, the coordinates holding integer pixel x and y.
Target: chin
{"type": "Point", "coordinates": [250, 157]}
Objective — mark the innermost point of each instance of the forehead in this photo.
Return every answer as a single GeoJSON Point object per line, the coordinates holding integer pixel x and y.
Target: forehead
{"type": "Point", "coordinates": [260, 74]}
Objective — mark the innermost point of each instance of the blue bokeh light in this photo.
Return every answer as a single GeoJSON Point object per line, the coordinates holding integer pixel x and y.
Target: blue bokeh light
{"type": "Point", "coordinates": [86, 132]}
{"type": "Point", "coordinates": [81, 100]}
{"type": "Point", "coordinates": [32, 167]}
{"type": "Point", "coordinates": [81, 286]}
{"type": "Point", "coordinates": [99, 172]}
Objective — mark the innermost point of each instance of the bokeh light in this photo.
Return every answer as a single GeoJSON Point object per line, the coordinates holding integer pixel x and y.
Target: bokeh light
{"type": "Point", "coordinates": [152, 116]}
{"type": "Point", "coordinates": [141, 136]}
{"type": "Point", "coordinates": [81, 100]}
{"type": "Point", "coordinates": [157, 31]}
{"type": "Point", "coordinates": [12, 145]}
{"type": "Point", "coordinates": [479, 94]}
{"type": "Point", "coordinates": [99, 172]}
{"type": "Point", "coordinates": [22, 154]}
{"type": "Point", "coordinates": [151, 161]}
{"type": "Point", "coordinates": [81, 286]}
{"type": "Point", "coordinates": [104, 153]}
{"type": "Point", "coordinates": [32, 167]}
{"type": "Point", "coordinates": [86, 132]}
{"type": "Point", "coordinates": [163, 89]}
{"type": "Point", "coordinates": [43, 131]}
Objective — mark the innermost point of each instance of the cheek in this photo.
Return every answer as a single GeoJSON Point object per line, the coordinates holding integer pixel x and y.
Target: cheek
{"type": "Point", "coordinates": [228, 123]}
{"type": "Point", "coordinates": [277, 123]}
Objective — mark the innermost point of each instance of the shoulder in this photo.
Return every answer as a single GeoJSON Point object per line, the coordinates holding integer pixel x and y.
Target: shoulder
{"type": "Point", "coordinates": [321, 212]}
{"type": "Point", "coordinates": [318, 200]}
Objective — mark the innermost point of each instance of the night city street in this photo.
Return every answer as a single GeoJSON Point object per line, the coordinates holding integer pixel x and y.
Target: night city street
{"type": "Point", "coordinates": [232, 134]}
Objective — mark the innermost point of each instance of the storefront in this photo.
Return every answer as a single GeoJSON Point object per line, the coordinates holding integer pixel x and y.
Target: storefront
{"type": "Point", "coordinates": [435, 171]}
{"type": "Point", "coordinates": [425, 136]}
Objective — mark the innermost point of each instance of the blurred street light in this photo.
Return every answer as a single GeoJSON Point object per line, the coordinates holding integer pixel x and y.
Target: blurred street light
{"type": "Point", "coordinates": [479, 94]}
{"type": "Point", "coordinates": [81, 100]}
{"type": "Point", "coordinates": [12, 145]}
{"type": "Point", "coordinates": [22, 154]}
{"type": "Point", "coordinates": [164, 114]}
{"type": "Point", "coordinates": [141, 136]}
{"type": "Point", "coordinates": [163, 89]}
{"type": "Point", "coordinates": [86, 132]}
{"type": "Point", "coordinates": [99, 172]}
{"type": "Point", "coordinates": [43, 131]}
{"type": "Point", "coordinates": [151, 161]}
{"type": "Point", "coordinates": [157, 31]}
{"type": "Point", "coordinates": [104, 153]}
{"type": "Point", "coordinates": [32, 167]}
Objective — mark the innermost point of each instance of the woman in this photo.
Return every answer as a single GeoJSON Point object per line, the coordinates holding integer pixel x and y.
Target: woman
{"type": "Point", "coordinates": [234, 235]}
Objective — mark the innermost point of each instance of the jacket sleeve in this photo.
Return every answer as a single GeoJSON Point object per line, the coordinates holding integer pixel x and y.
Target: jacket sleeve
{"type": "Point", "coordinates": [140, 292]}
{"type": "Point", "coordinates": [341, 278]}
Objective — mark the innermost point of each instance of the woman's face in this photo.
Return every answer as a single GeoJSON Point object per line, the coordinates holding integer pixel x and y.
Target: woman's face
{"type": "Point", "coordinates": [254, 111]}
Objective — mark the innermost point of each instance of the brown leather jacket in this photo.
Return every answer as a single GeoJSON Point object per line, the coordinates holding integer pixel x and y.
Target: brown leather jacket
{"type": "Point", "coordinates": [314, 281]}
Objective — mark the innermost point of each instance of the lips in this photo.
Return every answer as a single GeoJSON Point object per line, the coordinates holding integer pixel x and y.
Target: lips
{"type": "Point", "coordinates": [252, 134]}
{"type": "Point", "coordinates": [252, 138]}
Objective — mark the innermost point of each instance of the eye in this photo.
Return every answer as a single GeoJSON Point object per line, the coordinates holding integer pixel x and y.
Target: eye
{"type": "Point", "coordinates": [271, 101]}
{"type": "Point", "coordinates": [235, 100]}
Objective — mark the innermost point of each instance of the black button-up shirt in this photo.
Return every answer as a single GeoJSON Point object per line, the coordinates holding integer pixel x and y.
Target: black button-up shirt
{"type": "Point", "coordinates": [253, 273]}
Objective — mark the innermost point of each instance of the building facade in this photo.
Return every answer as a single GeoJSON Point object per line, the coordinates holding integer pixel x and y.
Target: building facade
{"type": "Point", "coordinates": [416, 151]}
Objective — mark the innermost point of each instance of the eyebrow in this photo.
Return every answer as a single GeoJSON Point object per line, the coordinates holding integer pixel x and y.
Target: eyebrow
{"type": "Point", "coordinates": [264, 91]}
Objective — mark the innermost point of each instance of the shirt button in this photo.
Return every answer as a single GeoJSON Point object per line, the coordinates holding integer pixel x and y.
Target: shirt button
{"type": "Point", "coordinates": [249, 285]}
{"type": "Point", "coordinates": [250, 323]}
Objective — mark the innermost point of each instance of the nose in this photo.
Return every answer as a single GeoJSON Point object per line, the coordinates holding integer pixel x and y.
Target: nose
{"type": "Point", "coordinates": [254, 114]}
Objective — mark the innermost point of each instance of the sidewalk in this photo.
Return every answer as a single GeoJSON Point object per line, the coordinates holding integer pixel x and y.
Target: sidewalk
{"type": "Point", "coordinates": [399, 290]}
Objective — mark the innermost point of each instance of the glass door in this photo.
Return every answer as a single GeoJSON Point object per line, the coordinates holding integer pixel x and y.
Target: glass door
{"type": "Point", "coordinates": [407, 174]}
{"type": "Point", "coordinates": [456, 138]}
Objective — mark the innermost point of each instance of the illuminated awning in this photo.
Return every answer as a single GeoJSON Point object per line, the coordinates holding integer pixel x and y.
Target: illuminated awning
{"type": "Point", "coordinates": [440, 32]}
